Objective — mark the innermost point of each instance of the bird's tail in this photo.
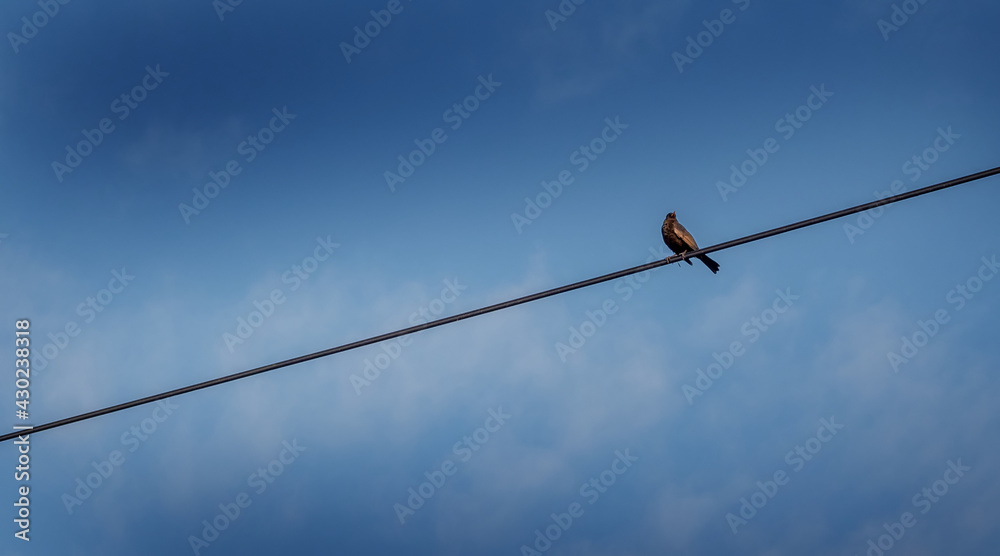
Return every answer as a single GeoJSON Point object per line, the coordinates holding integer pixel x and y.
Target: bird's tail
{"type": "Point", "coordinates": [712, 265]}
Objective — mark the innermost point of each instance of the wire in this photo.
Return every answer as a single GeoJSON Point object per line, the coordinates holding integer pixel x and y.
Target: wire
{"type": "Point", "coordinates": [506, 304]}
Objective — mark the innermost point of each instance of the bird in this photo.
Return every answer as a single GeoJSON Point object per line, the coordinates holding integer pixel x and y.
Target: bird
{"type": "Point", "coordinates": [680, 241]}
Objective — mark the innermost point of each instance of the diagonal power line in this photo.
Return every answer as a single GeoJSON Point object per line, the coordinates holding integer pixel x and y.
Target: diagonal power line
{"type": "Point", "coordinates": [506, 304]}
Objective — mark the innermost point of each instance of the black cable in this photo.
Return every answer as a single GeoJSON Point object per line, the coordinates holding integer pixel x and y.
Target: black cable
{"type": "Point", "coordinates": [521, 300]}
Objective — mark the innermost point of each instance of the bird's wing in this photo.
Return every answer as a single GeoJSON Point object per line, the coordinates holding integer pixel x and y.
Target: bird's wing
{"type": "Point", "coordinates": [685, 236]}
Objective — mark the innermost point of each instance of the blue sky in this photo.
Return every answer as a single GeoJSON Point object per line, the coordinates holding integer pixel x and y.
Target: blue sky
{"type": "Point", "coordinates": [510, 443]}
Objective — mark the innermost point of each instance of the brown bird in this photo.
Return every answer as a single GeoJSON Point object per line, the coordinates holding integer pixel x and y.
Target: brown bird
{"type": "Point", "coordinates": [680, 241]}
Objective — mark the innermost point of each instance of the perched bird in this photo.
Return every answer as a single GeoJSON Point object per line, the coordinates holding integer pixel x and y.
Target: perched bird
{"type": "Point", "coordinates": [680, 241]}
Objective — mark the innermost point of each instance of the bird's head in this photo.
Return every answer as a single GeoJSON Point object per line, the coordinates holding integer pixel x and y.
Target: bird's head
{"type": "Point", "coordinates": [672, 215]}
